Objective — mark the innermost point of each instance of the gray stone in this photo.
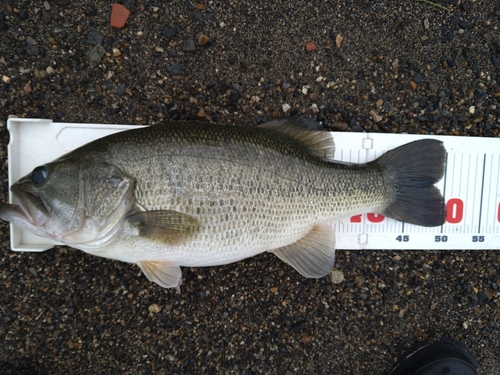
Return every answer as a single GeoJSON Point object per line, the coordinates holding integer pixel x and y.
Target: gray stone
{"type": "Point", "coordinates": [495, 60]}
{"type": "Point", "coordinates": [418, 78]}
{"type": "Point", "coordinates": [388, 106]}
{"type": "Point", "coordinates": [188, 45]}
{"type": "Point", "coordinates": [32, 50]}
{"type": "Point", "coordinates": [94, 38]}
{"type": "Point", "coordinates": [266, 280]}
{"type": "Point", "coordinates": [196, 16]}
{"type": "Point", "coordinates": [357, 128]}
{"type": "Point", "coordinates": [433, 86]}
{"type": "Point", "coordinates": [175, 70]}
{"type": "Point", "coordinates": [168, 32]}
{"type": "Point", "coordinates": [95, 55]}
{"type": "Point", "coordinates": [238, 88]}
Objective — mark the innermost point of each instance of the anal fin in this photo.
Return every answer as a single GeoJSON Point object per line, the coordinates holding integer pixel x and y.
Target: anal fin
{"type": "Point", "coordinates": [164, 273]}
{"type": "Point", "coordinates": [313, 256]}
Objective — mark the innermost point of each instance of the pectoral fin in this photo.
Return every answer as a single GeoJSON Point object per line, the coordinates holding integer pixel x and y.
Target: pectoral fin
{"type": "Point", "coordinates": [165, 226]}
{"type": "Point", "coordinates": [164, 273]}
{"type": "Point", "coordinates": [313, 256]}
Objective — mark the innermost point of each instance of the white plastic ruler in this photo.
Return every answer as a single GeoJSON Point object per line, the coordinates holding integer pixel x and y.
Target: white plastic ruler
{"type": "Point", "coordinates": [471, 185]}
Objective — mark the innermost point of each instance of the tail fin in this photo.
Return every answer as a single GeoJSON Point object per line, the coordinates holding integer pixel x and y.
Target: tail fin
{"type": "Point", "coordinates": [414, 168]}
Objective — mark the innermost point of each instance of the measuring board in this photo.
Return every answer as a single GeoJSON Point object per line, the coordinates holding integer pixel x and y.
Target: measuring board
{"type": "Point", "coordinates": [471, 185]}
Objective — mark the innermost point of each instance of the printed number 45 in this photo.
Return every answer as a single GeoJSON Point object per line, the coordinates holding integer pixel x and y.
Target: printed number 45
{"type": "Point", "coordinates": [403, 238]}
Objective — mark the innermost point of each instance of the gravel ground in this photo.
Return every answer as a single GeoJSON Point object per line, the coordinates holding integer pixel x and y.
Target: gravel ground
{"type": "Point", "coordinates": [380, 66]}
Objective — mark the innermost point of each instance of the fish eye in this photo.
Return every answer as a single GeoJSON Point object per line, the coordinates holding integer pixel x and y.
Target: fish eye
{"type": "Point", "coordinates": [40, 175]}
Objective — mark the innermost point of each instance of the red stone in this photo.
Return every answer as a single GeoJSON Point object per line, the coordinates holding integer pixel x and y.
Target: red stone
{"type": "Point", "coordinates": [310, 46]}
{"type": "Point", "coordinates": [119, 16]}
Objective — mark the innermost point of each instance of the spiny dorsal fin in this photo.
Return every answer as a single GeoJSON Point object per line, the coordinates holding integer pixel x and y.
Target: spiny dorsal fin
{"type": "Point", "coordinates": [165, 226]}
{"type": "Point", "coordinates": [305, 130]}
{"type": "Point", "coordinates": [313, 256]}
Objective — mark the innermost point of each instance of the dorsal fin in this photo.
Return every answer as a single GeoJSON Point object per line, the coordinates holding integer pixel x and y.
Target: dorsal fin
{"type": "Point", "coordinates": [305, 130]}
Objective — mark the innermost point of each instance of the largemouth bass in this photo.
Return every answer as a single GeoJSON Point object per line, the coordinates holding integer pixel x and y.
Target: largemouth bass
{"type": "Point", "coordinates": [198, 194]}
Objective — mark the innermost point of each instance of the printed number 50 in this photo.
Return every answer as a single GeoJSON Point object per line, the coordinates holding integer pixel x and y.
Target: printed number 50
{"type": "Point", "coordinates": [441, 239]}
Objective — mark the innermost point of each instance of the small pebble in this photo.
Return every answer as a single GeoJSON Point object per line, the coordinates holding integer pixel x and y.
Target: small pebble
{"type": "Point", "coordinates": [33, 271]}
{"type": "Point", "coordinates": [310, 46]}
{"type": "Point", "coordinates": [375, 116]}
{"type": "Point", "coordinates": [154, 308]}
{"type": "Point", "coordinates": [336, 276]}
{"type": "Point", "coordinates": [46, 16]}
{"type": "Point", "coordinates": [286, 107]}
{"type": "Point", "coordinates": [27, 90]}
{"type": "Point", "coordinates": [202, 39]}
{"type": "Point", "coordinates": [339, 126]}
{"type": "Point", "coordinates": [338, 40]}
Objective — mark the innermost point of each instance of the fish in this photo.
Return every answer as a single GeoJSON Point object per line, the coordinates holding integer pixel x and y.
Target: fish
{"type": "Point", "coordinates": [197, 194]}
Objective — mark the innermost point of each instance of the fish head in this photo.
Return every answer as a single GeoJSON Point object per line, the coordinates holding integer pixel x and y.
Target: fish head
{"type": "Point", "coordinates": [71, 200]}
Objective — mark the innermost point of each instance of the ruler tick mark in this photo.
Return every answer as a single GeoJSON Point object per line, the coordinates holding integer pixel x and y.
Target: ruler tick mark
{"type": "Point", "coordinates": [481, 201]}
{"type": "Point", "coordinates": [444, 182]}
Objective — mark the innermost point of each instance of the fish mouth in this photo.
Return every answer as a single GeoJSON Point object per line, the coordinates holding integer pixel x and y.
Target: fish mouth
{"type": "Point", "coordinates": [30, 212]}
